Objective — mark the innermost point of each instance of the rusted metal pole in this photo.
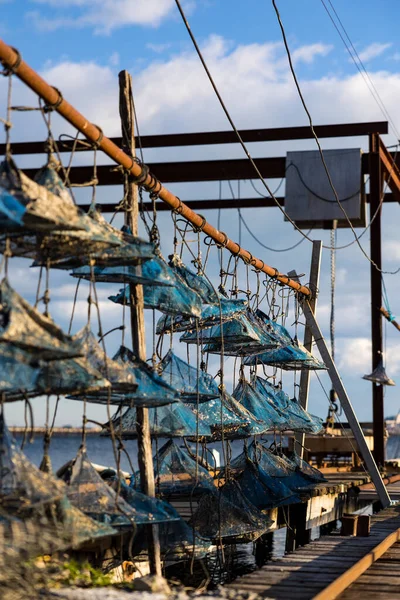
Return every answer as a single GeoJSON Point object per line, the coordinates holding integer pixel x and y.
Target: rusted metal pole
{"type": "Point", "coordinates": [52, 97]}
{"type": "Point", "coordinates": [389, 318]}
{"type": "Point", "coordinates": [376, 183]}
{"type": "Point", "coordinates": [145, 458]}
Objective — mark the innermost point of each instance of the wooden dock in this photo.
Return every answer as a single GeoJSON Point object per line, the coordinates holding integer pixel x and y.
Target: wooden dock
{"type": "Point", "coordinates": [305, 573]}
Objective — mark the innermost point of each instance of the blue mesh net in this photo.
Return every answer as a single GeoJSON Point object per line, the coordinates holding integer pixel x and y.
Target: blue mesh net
{"type": "Point", "coordinates": [152, 272]}
{"type": "Point", "coordinates": [177, 300]}
{"type": "Point", "coordinates": [198, 283]}
{"type": "Point", "coordinates": [18, 372]}
{"type": "Point", "coordinates": [244, 334]}
{"type": "Point", "coordinates": [147, 510]}
{"type": "Point", "coordinates": [87, 491]}
{"type": "Point", "coordinates": [11, 213]}
{"type": "Point", "coordinates": [22, 486]}
{"type": "Point", "coordinates": [176, 473]}
{"type": "Point", "coordinates": [178, 540]}
{"type": "Point", "coordinates": [260, 488]}
{"type": "Point", "coordinates": [278, 467]}
{"type": "Point", "coordinates": [307, 470]}
{"type": "Point", "coordinates": [48, 177]}
{"type": "Point", "coordinates": [44, 210]}
{"type": "Point", "coordinates": [176, 420]}
{"type": "Point", "coordinates": [96, 240]}
{"type": "Point", "coordinates": [151, 389]}
{"type": "Point", "coordinates": [229, 418]}
{"type": "Point", "coordinates": [68, 376]}
{"type": "Point", "coordinates": [226, 515]}
{"type": "Point", "coordinates": [23, 326]}
{"type": "Point", "coordinates": [258, 405]}
{"type": "Point", "coordinates": [193, 384]}
{"type": "Point", "coordinates": [119, 374]}
{"type": "Point", "coordinates": [290, 358]}
{"type": "Point", "coordinates": [297, 419]}
{"type": "Point", "coordinates": [210, 315]}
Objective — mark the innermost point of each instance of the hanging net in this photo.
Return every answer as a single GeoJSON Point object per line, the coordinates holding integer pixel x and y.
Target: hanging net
{"type": "Point", "coordinates": [176, 300]}
{"type": "Point", "coordinates": [176, 473]}
{"type": "Point", "coordinates": [306, 469]}
{"type": "Point", "coordinates": [44, 210]}
{"type": "Point", "coordinates": [296, 418]}
{"type": "Point", "coordinates": [289, 358]}
{"type": "Point", "coordinates": [11, 212]}
{"type": "Point", "coordinates": [227, 418]}
{"type": "Point", "coordinates": [97, 242]}
{"type": "Point", "coordinates": [240, 336]}
{"type": "Point", "coordinates": [193, 384]}
{"type": "Point", "coordinates": [261, 489]}
{"type": "Point", "coordinates": [87, 491]}
{"type": "Point", "coordinates": [196, 282]}
{"type": "Point", "coordinates": [151, 389]}
{"type": "Point", "coordinates": [178, 541]}
{"type": "Point", "coordinates": [278, 467]}
{"type": "Point", "coordinates": [18, 372]}
{"type": "Point", "coordinates": [176, 420]}
{"type": "Point", "coordinates": [152, 272]}
{"type": "Point", "coordinates": [68, 376]}
{"type": "Point", "coordinates": [48, 177]}
{"type": "Point", "coordinates": [23, 326]}
{"type": "Point", "coordinates": [225, 516]}
{"type": "Point", "coordinates": [147, 510]}
{"type": "Point", "coordinates": [22, 486]}
{"type": "Point", "coordinates": [258, 405]}
{"type": "Point", "coordinates": [210, 315]}
{"type": "Point", "coordinates": [120, 376]}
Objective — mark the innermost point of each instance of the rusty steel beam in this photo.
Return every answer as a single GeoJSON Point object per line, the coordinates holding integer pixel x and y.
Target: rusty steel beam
{"type": "Point", "coordinates": [389, 318]}
{"type": "Point", "coordinates": [221, 137]}
{"type": "Point", "coordinates": [390, 169]}
{"type": "Point", "coordinates": [52, 98]}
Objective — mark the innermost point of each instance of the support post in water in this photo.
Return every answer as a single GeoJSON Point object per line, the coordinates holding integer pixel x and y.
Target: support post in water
{"type": "Point", "coordinates": [145, 458]}
{"type": "Point", "coordinates": [339, 388]}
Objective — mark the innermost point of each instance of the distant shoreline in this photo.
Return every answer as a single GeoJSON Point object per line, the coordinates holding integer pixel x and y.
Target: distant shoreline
{"type": "Point", "coordinates": [56, 430]}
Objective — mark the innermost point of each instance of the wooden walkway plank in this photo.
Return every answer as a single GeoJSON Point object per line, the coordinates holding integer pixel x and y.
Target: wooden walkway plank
{"type": "Point", "coordinates": [312, 572]}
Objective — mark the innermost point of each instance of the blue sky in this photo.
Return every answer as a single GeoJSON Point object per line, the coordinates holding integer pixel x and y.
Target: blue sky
{"type": "Point", "coordinates": [80, 45]}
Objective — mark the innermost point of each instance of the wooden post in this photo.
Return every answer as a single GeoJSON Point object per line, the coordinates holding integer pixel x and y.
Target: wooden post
{"type": "Point", "coordinates": [375, 195]}
{"type": "Point", "coordinates": [145, 458]}
{"type": "Point", "coordinates": [308, 337]}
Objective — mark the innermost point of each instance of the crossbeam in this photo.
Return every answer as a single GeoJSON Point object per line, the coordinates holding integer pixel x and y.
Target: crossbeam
{"type": "Point", "coordinates": [221, 137]}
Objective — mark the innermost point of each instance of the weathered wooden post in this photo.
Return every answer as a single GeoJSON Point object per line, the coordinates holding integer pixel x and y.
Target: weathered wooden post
{"type": "Point", "coordinates": [145, 458]}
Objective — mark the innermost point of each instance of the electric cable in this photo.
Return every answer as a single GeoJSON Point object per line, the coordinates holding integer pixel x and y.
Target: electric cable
{"type": "Point", "coordinates": [363, 72]}
{"type": "Point", "coordinates": [300, 93]}
{"type": "Point", "coordinates": [246, 151]}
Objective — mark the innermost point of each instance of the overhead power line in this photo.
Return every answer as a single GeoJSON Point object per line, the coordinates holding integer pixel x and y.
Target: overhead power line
{"type": "Point", "coordinates": [360, 65]}
{"type": "Point", "coordinates": [246, 151]}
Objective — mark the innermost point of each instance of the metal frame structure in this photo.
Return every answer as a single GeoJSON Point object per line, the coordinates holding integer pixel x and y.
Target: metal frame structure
{"type": "Point", "coordinates": [141, 175]}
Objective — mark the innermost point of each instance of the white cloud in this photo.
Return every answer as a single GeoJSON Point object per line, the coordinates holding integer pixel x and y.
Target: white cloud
{"type": "Point", "coordinates": [103, 15]}
{"type": "Point", "coordinates": [158, 48]}
{"type": "Point", "coordinates": [373, 51]}
{"type": "Point", "coordinates": [307, 53]}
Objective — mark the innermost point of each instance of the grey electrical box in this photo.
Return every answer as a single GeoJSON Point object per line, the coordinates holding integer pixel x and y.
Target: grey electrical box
{"type": "Point", "coordinates": [309, 198]}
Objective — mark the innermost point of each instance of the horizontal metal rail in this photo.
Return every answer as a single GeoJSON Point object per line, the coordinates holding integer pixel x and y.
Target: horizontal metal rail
{"type": "Point", "coordinates": [53, 99]}
{"type": "Point", "coordinates": [223, 137]}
